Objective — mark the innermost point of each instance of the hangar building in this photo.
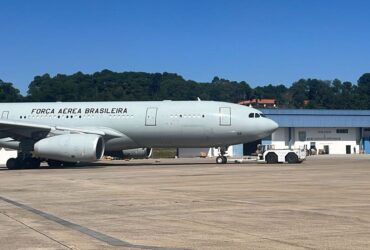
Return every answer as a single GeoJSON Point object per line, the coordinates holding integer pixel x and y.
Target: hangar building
{"type": "Point", "coordinates": [327, 131]}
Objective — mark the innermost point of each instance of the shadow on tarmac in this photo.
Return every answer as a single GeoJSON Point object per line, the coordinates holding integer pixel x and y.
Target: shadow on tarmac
{"type": "Point", "coordinates": [97, 165]}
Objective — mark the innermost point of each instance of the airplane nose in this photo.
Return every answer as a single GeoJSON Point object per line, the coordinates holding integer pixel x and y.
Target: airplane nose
{"type": "Point", "coordinates": [272, 126]}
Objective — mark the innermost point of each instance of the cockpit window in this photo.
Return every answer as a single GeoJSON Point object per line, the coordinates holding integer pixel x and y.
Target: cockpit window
{"type": "Point", "coordinates": [256, 115]}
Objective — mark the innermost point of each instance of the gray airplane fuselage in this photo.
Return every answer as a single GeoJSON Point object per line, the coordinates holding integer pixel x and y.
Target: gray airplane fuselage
{"type": "Point", "coordinates": [150, 124]}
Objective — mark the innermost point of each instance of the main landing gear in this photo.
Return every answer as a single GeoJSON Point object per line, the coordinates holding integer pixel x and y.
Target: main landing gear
{"type": "Point", "coordinates": [222, 159]}
{"type": "Point", "coordinates": [24, 158]}
{"type": "Point", "coordinates": [23, 163]}
{"type": "Point", "coordinates": [33, 163]}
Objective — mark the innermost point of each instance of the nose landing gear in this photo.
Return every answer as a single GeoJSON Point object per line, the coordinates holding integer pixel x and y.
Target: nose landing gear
{"type": "Point", "coordinates": [222, 159]}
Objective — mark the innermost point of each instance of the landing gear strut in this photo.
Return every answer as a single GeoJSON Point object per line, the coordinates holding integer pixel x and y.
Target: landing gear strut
{"type": "Point", "coordinates": [222, 159]}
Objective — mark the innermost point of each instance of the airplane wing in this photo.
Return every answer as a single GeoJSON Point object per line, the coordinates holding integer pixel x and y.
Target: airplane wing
{"type": "Point", "coordinates": [20, 129]}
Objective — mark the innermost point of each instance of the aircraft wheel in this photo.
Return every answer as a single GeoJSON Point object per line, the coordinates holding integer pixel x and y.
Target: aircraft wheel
{"type": "Point", "coordinates": [30, 163]}
{"type": "Point", "coordinates": [27, 163]}
{"type": "Point", "coordinates": [35, 163]}
{"type": "Point", "coordinates": [54, 164]}
{"type": "Point", "coordinates": [219, 160]}
{"type": "Point", "coordinates": [12, 164]}
{"type": "Point", "coordinates": [69, 164]}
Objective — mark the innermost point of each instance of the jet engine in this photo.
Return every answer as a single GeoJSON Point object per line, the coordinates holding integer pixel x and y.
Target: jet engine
{"type": "Point", "coordinates": [71, 148]}
{"type": "Point", "coordinates": [135, 153]}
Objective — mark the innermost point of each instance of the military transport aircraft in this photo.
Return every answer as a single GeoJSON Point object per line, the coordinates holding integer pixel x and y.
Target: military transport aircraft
{"type": "Point", "coordinates": [63, 133]}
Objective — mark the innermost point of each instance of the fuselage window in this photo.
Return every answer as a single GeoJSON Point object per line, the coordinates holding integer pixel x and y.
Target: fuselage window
{"type": "Point", "coordinates": [262, 115]}
{"type": "Point", "coordinates": [251, 115]}
{"type": "Point", "coordinates": [257, 115]}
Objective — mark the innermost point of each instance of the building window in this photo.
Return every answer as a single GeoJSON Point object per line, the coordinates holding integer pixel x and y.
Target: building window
{"type": "Point", "coordinates": [302, 135]}
{"type": "Point", "coordinates": [342, 131]}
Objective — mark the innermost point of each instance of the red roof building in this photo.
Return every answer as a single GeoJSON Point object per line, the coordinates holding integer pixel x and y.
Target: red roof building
{"type": "Point", "coordinates": [259, 102]}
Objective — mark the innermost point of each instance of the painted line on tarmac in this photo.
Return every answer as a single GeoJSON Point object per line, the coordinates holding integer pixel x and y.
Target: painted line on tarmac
{"type": "Point", "coordinates": [92, 233]}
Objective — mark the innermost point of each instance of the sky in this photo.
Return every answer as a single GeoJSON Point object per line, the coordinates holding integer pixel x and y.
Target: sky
{"type": "Point", "coordinates": [260, 42]}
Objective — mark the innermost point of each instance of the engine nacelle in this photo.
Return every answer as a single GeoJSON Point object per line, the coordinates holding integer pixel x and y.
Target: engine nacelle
{"type": "Point", "coordinates": [71, 148]}
{"type": "Point", "coordinates": [135, 153]}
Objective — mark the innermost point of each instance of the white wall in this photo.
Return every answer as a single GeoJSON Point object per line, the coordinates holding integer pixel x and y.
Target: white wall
{"type": "Point", "coordinates": [6, 154]}
{"type": "Point", "coordinates": [280, 138]}
{"type": "Point", "coordinates": [321, 136]}
{"type": "Point", "coordinates": [337, 142]}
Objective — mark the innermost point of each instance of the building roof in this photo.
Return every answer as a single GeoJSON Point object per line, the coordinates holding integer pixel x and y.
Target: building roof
{"type": "Point", "coordinates": [319, 117]}
{"type": "Point", "coordinates": [259, 101]}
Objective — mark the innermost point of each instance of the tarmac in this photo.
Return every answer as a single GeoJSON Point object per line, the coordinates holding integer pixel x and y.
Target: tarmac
{"type": "Point", "coordinates": [323, 203]}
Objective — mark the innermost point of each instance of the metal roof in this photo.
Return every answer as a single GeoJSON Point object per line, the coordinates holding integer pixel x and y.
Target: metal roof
{"type": "Point", "coordinates": [319, 117]}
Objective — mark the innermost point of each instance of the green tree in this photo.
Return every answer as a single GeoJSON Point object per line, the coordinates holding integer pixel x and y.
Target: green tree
{"type": "Point", "coordinates": [363, 91]}
{"type": "Point", "coordinates": [298, 92]}
{"type": "Point", "coordinates": [107, 85]}
{"type": "Point", "coordinates": [279, 93]}
{"type": "Point", "coordinates": [8, 93]}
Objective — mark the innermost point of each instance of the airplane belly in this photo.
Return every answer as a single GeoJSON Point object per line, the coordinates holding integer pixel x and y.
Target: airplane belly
{"type": "Point", "coordinates": [177, 136]}
{"type": "Point", "coordinates": [196, 135]}
{"type": "Point", "coordinates": [187, 136]}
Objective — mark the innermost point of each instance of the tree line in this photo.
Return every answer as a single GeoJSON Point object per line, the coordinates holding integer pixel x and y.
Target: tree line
{"type": "Point", "coordinates": [140, 86]}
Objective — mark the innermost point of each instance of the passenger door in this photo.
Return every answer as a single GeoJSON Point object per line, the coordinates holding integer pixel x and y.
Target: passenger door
{"type": "Point", "coordinates": [5, 115]}
{"type": "Point", "coordinates": [225, 116]}
{"type": "Point", "coordinates": [151, 116]}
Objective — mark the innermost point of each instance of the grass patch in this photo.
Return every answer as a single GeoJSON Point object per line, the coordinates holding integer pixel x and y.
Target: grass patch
{"type": "Point", "coordinates": [164, 153]}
